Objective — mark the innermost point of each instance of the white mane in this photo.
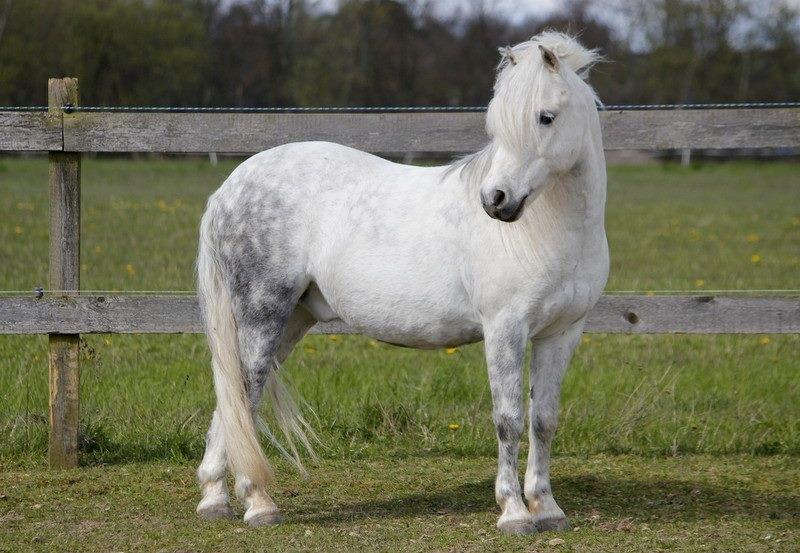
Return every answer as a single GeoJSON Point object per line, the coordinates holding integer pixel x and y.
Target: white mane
{"type": "Point", "coordinates": [513, 112]}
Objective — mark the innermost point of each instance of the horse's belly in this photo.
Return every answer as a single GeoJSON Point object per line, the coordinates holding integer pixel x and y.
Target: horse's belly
{"type": "Point", "coordinates": [425, 335]}
{"type": "Point", "coordinates": [402, 307]}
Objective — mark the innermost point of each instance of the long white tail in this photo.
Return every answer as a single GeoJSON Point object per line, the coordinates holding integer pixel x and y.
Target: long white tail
{"type": "Point", "coordinates": [244, 452]}
{"type": "Point", "coordinates": [245, 455]}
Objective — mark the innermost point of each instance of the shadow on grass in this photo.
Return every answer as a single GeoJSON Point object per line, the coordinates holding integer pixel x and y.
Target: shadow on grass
{"type": "Point", "coordinates": [584, 498]}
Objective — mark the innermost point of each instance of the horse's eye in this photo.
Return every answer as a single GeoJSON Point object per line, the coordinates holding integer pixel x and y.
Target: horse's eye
{"type": "Point", "coordinates": [546, 118]}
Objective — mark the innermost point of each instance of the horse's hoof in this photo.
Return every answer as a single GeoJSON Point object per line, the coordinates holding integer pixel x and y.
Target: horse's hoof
{"type": "Point", "coordinates": [262, 518]}
{"type": "Point", "coordinates": [214, 511]}
{"type": "Point", "coordinates": [552, 524]}
{"type": "Point", "coordinates": [517, 526]}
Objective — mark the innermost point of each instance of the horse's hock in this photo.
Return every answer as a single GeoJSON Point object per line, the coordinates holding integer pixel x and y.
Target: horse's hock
{"type": "Point", "coordinates": [65, 131]}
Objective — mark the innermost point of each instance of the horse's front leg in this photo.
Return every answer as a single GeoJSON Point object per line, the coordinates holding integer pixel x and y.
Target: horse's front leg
{"type": "Point", "coordinates": [505, 349]}
{"type": "Point", "coordinates": [549, 360]}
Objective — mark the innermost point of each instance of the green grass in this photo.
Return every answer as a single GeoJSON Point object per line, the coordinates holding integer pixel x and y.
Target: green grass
{"type": "Point", "coordinates": [646, 420]}
{"type": "Point", "coordinates": [442, 503]}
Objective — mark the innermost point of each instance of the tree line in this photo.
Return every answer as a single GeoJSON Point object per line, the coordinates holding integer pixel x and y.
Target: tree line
{"type": "Point", "coordinates": [384, 52]}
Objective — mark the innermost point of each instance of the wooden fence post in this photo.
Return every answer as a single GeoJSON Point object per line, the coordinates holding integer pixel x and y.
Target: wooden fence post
{"type": "Point", "coordinates": [65, 231]}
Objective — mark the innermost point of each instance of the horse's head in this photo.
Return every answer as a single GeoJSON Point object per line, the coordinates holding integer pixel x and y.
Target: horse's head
{"type": "Point", "coordinates": [539, 121]}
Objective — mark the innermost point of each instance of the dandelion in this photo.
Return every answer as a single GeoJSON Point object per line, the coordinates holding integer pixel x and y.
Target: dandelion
{"type": "Point", "coordinates": [699, 283]}
{"type": "Point", "coordinates": [373, 343]}
{"type": "Point", "coordinates": [751, 238]}
{"type": "Point", "coordinates": [129, 269]}
{"type": "Point", "coordinates": [585, 339]}
{"type": "Point", "coordinates": [764, 340]}
{"type": "Point", "coordinates": [17, 230]}
{"type": "Point", "coordinates": [650, 293]}
{"type": "Point", "coordinates": [694, 234]}
{"type": "Point", "coordinates": [310, 349]}
{"type": "Point", "coordinates": [451, 351]}
{"type": "Point", "coordinates": [333, 337]}
{"type": "Point", "coordinates": [453, 426]}
{"type": "Point", "coordinates": [755, 258]}
{"type": "Point", "coordinates": [162, 205]}
{"type": "Point", "coordinates": [796, 221]}
{"type": "Point", "coordinates": [98, 249]}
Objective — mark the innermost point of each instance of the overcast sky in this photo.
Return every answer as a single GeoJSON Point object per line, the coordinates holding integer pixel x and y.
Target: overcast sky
{"type": "Point", "coordinates": [515, 9]}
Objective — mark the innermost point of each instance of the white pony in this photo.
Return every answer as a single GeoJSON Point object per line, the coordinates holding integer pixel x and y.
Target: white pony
{"type": "Point", "coordinates": [316, 231]}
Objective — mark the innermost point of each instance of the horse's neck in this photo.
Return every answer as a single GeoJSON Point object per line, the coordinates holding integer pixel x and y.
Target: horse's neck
{"type": "Point", "coordinates": [574, 201]}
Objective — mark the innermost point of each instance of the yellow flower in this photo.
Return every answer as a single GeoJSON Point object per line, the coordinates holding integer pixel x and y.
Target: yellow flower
{"type": "Point", "coordinates": [751, 238]}
{"type": "Point", "coordinates": [129, 269]}
{"type": "Point", "coordinates": [18, 230]}
{"type": "Point", "coordinates": [162, 205]}
{"type": "Point", "coordinates": [755, 258]}
{"type": "Point", "coordinates": [694, 234]}
{"type": "Point", "coordinates": [310, 349]}
{"type": "Point", "coordinates": [453, 426]}
{"type": "Point", "coordinates": [98, 249]}
{"type": "Point", "coordinates": [333, 337]}
{"type": "Point", "coordinates": [585, 339]}
{"type": "Point", "coordinates": [373, 343]}
{"type": "Point", "coordinates": [450, 351]}
{"type": "Point", "coordinates": [764, 340]}
{"type": "Point", "coordinates": [650, 293]}
{"type": "Point", "coordinates": [699, 283]}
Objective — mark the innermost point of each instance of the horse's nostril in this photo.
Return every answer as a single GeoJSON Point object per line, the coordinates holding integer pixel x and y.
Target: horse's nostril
{"type": "Point", "coordinates": [498, 198]}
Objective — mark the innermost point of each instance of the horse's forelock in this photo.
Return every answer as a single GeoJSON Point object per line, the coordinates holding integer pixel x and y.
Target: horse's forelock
{"type": "Point", "coordinates": [577, 57]}
{"type": "Point", "coordinates": [519, 89]}
{"type": "Point", "coordinates": [512, 116]}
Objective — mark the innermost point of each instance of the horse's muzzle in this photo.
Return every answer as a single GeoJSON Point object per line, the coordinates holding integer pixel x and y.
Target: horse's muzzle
{"type": "Point", "coordinates": [501, 207]}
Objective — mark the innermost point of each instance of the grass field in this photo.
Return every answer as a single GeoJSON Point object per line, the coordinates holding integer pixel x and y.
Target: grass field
{"type": "Point", "coordinates": [666, 442]}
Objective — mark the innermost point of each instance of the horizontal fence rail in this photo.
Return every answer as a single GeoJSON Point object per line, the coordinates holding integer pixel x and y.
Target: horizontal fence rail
{"type": "Point", "coordinates": [430, 132]}
{"type": "Point", "coordinates": [30, 131]}
{"type": "Point", "coordinates": [612, 314]}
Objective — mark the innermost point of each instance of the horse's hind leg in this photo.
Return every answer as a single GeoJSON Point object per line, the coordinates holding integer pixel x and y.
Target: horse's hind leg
{"type": "Point", "coordinates": [215, 502]}
{"type": "Point", "coordinates": [261, 347]}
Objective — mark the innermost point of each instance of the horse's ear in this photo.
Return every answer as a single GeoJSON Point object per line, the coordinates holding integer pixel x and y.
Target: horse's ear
{"type": "Point", "coordinates": [507, 54]}
{"type": "Point", "coordinates": [550, 59]}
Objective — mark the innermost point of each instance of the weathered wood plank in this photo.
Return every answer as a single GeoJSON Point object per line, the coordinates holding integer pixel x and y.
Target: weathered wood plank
{"type": "Point", "coordinates": [706, 128]}
{"type": "Point", "coordinates": [65, 236]}
{"type": "Point", "coordinates": [254, 132]}
{"type": "Point", "coordinates": [29, 131]}
{"type": "Point", "coordinates": [65, 220]}
{"type": "Point", "coordinates": [695, 315]}
{"type": "Point", "coordinates": [615, 314]}
{"type": "Point", "coordinates": [442, 133]}
{"type": "Point", "coordinates": [64, 381]}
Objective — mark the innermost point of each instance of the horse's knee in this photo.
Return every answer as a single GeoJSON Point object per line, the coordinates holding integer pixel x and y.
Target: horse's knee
{"type": "Point", "coordinates": [509, 427]}
{"type": "Point", "coordinates": [544, 425]}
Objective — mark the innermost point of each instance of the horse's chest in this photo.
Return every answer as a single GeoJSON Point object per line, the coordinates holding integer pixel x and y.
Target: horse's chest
{"type": "Point", "coordinates": [569, 294]}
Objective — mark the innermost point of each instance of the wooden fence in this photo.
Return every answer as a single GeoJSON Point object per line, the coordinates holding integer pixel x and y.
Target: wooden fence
{"type": "Point", "coordinates": [67, 134]}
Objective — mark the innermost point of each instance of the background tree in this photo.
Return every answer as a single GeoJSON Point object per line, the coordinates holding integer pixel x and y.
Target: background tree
{"type": "Point", "coordinates": [385, 52]}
